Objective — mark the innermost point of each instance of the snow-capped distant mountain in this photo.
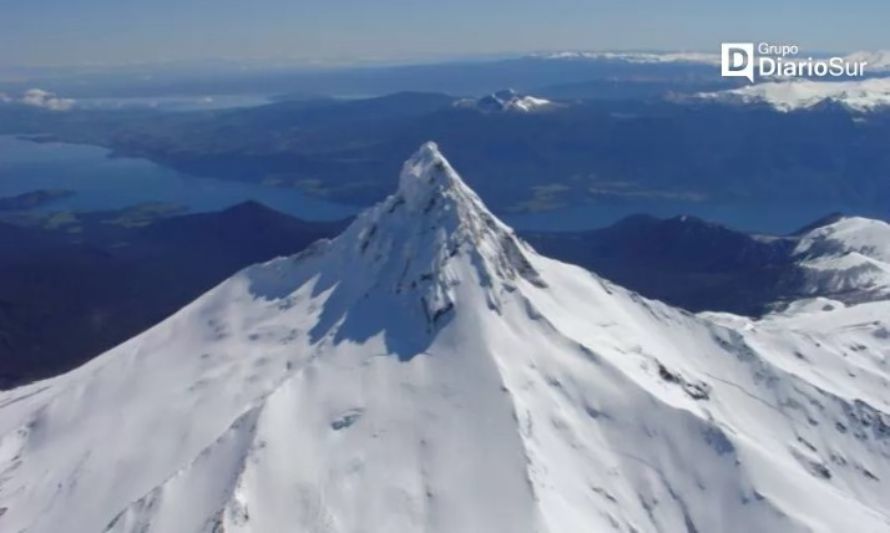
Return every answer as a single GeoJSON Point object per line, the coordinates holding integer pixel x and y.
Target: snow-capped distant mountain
{"type": "Point", "coordinates": [859, 95]}
{"type": "Point", "coordinates": [428, 371]}
{"type": "Point", "coordinates": [877, 60]}
{"type": "Point", "coordinates": [638, 57]}
{"type": "Point", "coordinates": [700, 265]}
{"type": "Point", "coordinates": [847, 260]}
{"type": "Point", "coordinates": [506, 100]}
{"type": "Point", "coordinates": [848, 235]}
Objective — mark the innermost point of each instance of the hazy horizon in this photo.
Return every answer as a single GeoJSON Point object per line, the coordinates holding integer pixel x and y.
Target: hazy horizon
{"type": "Point", "coordinates": [106, 33]}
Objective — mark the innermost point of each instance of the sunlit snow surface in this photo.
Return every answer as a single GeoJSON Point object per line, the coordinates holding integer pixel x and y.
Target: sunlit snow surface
{"type": "Point", "coordinates": [848, 259]}
{"type": "Point", "coordinates": [506, 100]}
{"type": "Point", "coordinates": [856, 95]}
{"type": "Point", "coordinates": [428, 371]}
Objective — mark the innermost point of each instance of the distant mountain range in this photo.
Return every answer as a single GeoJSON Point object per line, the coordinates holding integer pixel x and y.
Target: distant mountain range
{"type": "Point", "coordinates": [689, 154]}
{"type": "Point", "coordinates": [468, 77]}
{"type": "Point", "coordinates": [859, 96]}
{"type": "Point", "coordinates": [703, 266]}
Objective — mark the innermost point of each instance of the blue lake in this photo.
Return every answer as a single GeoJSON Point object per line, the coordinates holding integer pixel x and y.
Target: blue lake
{"type": "Point", "coordinates": [103, 182]}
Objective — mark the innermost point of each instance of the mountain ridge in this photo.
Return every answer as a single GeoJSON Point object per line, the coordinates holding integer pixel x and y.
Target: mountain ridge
{"type": "Point", "coordinates": [313, 392]}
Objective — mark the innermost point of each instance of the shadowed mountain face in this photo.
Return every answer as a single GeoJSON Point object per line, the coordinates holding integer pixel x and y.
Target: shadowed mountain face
{"type": "Point", "coordinates": [65, 297]}
{"type": "Point", "coordinates": [684, 260]}
{"type": "Point", "coordinates": [63, 302]}
{"type": "Point", "coordinates": [427, 370]}
{"type": "Point", "coordinates": [701, 266]}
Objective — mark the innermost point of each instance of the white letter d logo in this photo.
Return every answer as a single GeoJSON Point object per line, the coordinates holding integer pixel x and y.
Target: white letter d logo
{"type": "Point", "coordinates": [737, 60]}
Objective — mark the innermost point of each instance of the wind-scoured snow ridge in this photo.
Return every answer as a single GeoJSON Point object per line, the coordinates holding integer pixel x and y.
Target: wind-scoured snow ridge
{"type": "Point", "coordinates": [506, 100]}
{"type": "Point", "coordinates": [428, 371]}
{"type": "Point", "coordinates": [860, 95]}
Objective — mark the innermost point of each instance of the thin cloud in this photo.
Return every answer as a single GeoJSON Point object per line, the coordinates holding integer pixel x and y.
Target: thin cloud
{"type": "Point", "coordinates": [45, 100]}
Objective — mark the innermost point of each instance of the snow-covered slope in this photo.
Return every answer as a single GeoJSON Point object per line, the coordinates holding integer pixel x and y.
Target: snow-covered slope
{"type": "Point", "coordinates": [428, 371]}
{"type": "Point", "coordinates": [637, 57]}
{"type": "Point", "coordinates": [848, 259]}
{"type": "Point", "coordinates": [506, 100]}
{"type": "Point", "coordinates": [860, 95]}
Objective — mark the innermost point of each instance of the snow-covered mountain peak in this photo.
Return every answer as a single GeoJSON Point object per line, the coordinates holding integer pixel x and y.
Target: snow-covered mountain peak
{"type": "Point", "coordinates": [506, 100]}
{"type": "Point", "coordinates": [426, 176]}
{"type": "Point", "coordinates": [432, 235]}
{"type": "Point", "coordinates": [848, 259]}
{"type": "Point", "coordinates": [860, 96]}
{"type": "Point", "coordinates": [416, 374]}
{"type": "Point", "coordinates": [846, 235]}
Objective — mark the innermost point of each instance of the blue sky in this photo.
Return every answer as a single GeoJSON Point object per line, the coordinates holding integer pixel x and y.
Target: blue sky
{"type": "Point", "coordinates": [81, 32]}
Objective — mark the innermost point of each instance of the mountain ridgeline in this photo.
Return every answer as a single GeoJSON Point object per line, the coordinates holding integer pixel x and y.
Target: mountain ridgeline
{"type": "Point", "coordinates": [68, 294]}
{"type": "Point", "coordinates": [427, 370]}
{"type": "Point", "coordinates": [702, 266]}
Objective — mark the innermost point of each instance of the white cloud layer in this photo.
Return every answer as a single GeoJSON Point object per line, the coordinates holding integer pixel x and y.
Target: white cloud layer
{"type": "Point", "coordinates": [39, 98]}
{"type": "Point", "coordinates": [46, 100]}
